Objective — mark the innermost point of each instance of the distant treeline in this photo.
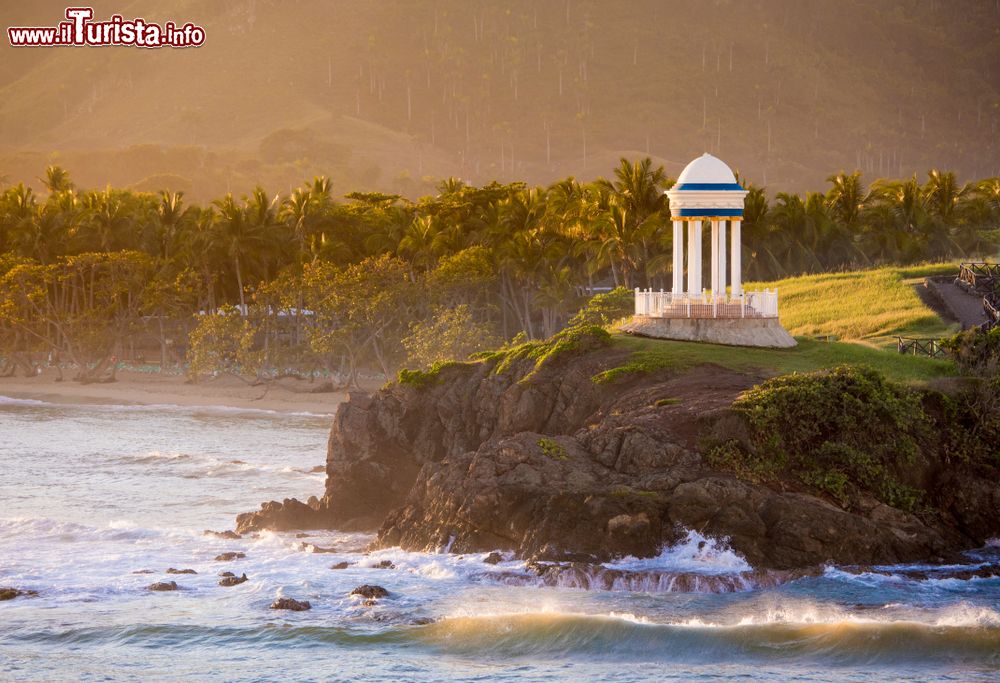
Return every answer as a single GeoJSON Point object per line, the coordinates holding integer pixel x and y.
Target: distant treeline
{"type": "Point", "coordinates": [374, 280]}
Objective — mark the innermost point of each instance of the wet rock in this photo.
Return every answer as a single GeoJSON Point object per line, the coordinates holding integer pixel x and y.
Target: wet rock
{"type": "Point", "coordinates": [233, 580]}
{"type": "Point", "coordinates": [223, 534]}
{"type": "Point", "coordinates": [932, 573]}
{"type": "Point", "coordinates": [370, 592]}
{"type": "Point", "coordinates": [422, 621]}
{"type": "Point", "coordinates": [317, 469]}
{"type": "Point", "coordinates": [181, 571]}
{"type": "Point", "coordinates": [8, 593]}
{"type": "Point", "coordinates": [143, 571]}
{"type": "Point", "coordinates": [287, 515]}
{"type": "Point", "coordinates": [162, 586]}
{"type": "Point", "coordinates": [291, 604]}
{"type": "Point", "coordinates": [384, 564]}
{"type": "Point", "coordinates": [226, 574]}
{"type": "Point", "coordinates": [302, 535]}
{"type": "Point", "coordinates": [598, 577]}
{"type": "Point", "coordinates": [318, 548]}
{"type": "Point", "coordinates": [229, 557]}
{"type": "Point", "coordinates": [340, 565]}
{"type": "Point", "coordinates": [541, 462]}
{"type": "Point", "coordinates": [493, 558]}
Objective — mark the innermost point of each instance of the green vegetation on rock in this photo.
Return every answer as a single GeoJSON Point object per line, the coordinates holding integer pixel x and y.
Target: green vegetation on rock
{"type": "Point", "coordinates": [553, 449]}
{"type": "Point", "coordinates": [649, 355]}
{"type": "Point", "coordinates": [570, 340]}
{"type": "Point", "coordinates": [848, 431]}
{"type": "Point", "coordinates": [419, 379]}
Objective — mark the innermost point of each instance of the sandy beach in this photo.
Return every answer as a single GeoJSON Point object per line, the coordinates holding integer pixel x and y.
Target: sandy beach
{"type": "Point", "coordinates": [284, 395]}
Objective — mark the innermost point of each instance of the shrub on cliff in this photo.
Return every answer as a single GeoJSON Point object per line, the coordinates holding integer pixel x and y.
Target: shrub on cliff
{"type": "Point", "coordinates": [604, 309]}
{"type": "Point", "coordinates": [831, 430]}
{"type": "Point", "coordinates": [977, 353]}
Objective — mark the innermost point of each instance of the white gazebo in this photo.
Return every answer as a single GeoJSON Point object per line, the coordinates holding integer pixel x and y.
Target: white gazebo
{"type": "Point", "coordinates": [707, 192]}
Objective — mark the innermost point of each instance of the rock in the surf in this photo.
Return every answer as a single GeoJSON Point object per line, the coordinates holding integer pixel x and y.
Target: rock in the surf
{"type": "Point", "coordinates": [8, 593]}
{"type": "Point", "coordinates": [171, 570]}
{"type": "Point", "coordinates": [384, 564]}
{"type": "Point", "coordinates": [370, 592]}
{"type": "Point", "coordinates": [226, 574]}
{"type": "Point", "coordinates": [539, 460]}
{"type": "Point", "coordinates": [233, 580]}
{"type": "Point", "coordinates": [285, 516]}
{"type": "Point", "coordinates": [309, 547]}
{"type": "Point", "coordinates": [163, 586]}
{"type": "Point", "coordinates": [223, 534]}
{"type": "Point", "coordinates": [291, 604]}
{"type": "Point", "coordinates": [340, 565]}
{"type": "Point", "coordinates": [493, 558]}
{"type": "Point", "coordinates": [229, 557]}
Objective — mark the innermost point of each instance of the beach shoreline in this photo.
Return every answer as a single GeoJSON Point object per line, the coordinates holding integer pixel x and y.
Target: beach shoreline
{"type": "Point", "coordinates": [285, 395]}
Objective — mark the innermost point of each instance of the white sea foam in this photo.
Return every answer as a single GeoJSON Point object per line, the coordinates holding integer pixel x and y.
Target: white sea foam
{"type": "Point", "coordinates": [160, 407]}
{"type": "Point", "coordinates": [11, 401]}
{"type": "Point", "coordinates": [695, 553]}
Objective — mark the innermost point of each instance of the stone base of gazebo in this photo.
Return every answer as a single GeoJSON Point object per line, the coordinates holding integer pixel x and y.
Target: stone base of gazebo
{"type": "Point", "coordinates": [762, 332]}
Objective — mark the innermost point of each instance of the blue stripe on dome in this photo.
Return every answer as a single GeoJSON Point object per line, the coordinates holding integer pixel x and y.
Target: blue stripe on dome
{"type": "Point", "coordinates": [709, 212]}
{"type": "Point", "coordinates": [709, 186]}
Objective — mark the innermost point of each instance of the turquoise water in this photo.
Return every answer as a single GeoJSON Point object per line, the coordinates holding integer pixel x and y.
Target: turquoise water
{"type": "Point", "coordinates": [91, 494]}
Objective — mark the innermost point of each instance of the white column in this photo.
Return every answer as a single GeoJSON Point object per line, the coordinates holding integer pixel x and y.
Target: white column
{"type": "Point", "coordinates": [736, 260]}
{"type": "Point", "coordinates": [678, 258]}
{"type": "Point", "coordinates": [722, 258]}
{"type": "Point", "coordinates": [715, 258]}
{"type": "Point", "coordinates": [693, 260]}
{"type": "Point", "coordinates": [697, 254]}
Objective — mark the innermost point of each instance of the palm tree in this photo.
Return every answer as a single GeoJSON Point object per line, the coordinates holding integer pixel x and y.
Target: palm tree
{"type": "Point", "coordinates": [639, 188]}
{"type": "Point", "coordinates": [108, 219]}
{"type": "Point", "coordinates": [237, 237]}
{"type": "Point", "coordinates": [57, 179]}
{"type": "Point", "coordinates": [171, 218]}
{"type": "Point", "coordinates": [261, 214]}
{"type": "Point", "coordinates": [943, 194]}
{"type": "Point", "coordinates": [846, 198]}
{"type": "Point", "coordinates": [417, 245]}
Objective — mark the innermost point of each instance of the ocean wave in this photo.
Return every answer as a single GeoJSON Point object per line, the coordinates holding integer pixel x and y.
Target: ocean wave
{"type": "Point", "coordinates": [629, 638]}
{"type": "Point", "coordinates": [12, 401]}
{"type": "Point", "coordinates": [211, 466]}
{"type": "Point", "coordinates": [44, 528]}
{"type": "Point", "coordinates": [563, 636]}
{"type": "Point", "coordinates": [161, 407]}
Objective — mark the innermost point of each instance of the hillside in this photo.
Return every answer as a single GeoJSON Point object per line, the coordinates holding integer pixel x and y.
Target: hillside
{"type": "Point", "coordinates": [386, 94]}
{"type": "Point", "coordinates": [870, 306]}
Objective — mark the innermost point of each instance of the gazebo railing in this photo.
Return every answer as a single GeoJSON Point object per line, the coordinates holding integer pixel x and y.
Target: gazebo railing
{"type": "Point", "coordinates": [663, 304]}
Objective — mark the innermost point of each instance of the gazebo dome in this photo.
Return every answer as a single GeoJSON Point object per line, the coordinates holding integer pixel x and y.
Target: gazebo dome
{"type": "Point", "coordinates": [707, 173]}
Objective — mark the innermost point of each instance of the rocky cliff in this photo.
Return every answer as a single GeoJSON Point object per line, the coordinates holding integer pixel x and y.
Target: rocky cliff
{"type": "Point", "coordinates": [524, 451]}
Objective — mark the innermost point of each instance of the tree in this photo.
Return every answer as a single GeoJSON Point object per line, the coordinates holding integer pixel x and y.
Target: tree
{"type": "Point", "coordinates": [846, 198]}
{"type": "Point", "coordinates": [359, 311]}
{"type": "Point", "coordinates": [57, 179]}
{"type": "Point", "coordinates": [81, 308]}
{"type": "Point", "coordinates": [240, 237]}
{"type": "Point", "coordinates": [222, 343]}
{"type": "Point", "coordinates": [450, 334]}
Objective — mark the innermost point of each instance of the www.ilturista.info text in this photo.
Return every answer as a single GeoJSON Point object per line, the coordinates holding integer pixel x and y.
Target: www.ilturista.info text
{"type": "Point", "coordinates": [79, 30]}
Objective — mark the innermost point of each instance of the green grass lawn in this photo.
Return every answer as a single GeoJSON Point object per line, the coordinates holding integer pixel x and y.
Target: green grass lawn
{"type": "Point", "coordinates": [872, 306]}
{"type": "Point", "coordinates": [654, 354]}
